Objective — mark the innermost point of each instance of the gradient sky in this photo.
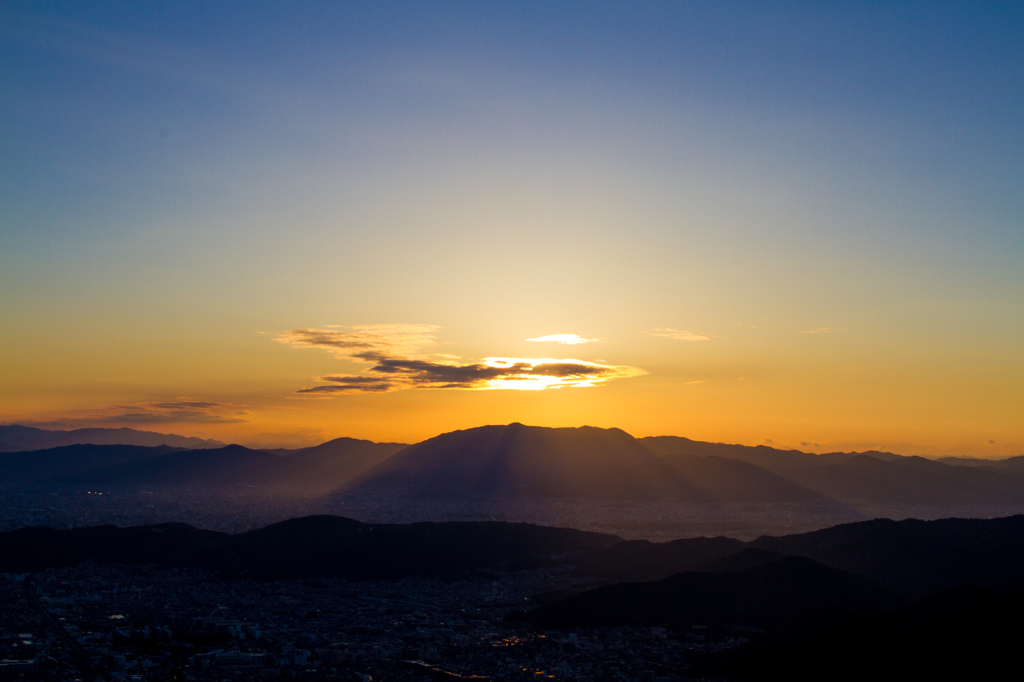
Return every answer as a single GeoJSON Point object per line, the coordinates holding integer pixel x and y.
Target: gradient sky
{"type": "Point", "coordinates": [799, 224]}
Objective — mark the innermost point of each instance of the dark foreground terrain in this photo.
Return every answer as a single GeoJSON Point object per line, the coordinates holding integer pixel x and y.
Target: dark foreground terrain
{"type": "Point", "coordinates": [329, 598]}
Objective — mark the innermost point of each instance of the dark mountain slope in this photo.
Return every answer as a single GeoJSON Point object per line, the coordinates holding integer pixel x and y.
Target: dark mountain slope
{"type": "Point", "coordinates": [963, 634]}
{"type": "Point", "coordinates": [914, 558]}
{"type": "Point", "coordinates": [35, 549]}
{"type": "Point", "coordinates": [315, 546]}
{"type": "Point", "coordinates": [766, 594]}
{"type": "Point", "coordinates": [640, 560]}
{"type": "Point", "coordinates": [329, 546]}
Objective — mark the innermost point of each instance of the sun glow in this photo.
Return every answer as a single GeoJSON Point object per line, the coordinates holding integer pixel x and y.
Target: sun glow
{"type": "Point", "coordinates": [537, 374]}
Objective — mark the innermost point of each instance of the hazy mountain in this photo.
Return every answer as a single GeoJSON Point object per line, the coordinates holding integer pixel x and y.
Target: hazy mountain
{"type": "Point", "coordinates": [328, 466]}
{"type": "Point", "coordinates": [912, 480]}
{"type": "Point", "coordinates": [1009, 463]}
{"type": "Point", "coordinates": [773, 459]}
{"type": "Point", "coordinates": [530, 461]}
{"type": "Point", "coordinates": [853, 478]}
{"type": "Point", "coordinates": [71, 461]}
{"type": "Point", "coordinates": [731, 480]}
{"type": "Point", "coordinates": [777, 461]}
{"type": "Point", "coordinates": [311, 470]}
{"type": "Point", "coordinates": [17, 438]}
{"type": "Point", "coordinates": [232, 464]}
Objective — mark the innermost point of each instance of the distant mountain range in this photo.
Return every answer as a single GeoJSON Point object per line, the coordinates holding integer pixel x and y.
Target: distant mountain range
{"type": "Point", "coordinates": [528, 462]}
{"type": "Point", "coordinates": [314, 470]}
{"type": "Point", "coordinates": [17, 438]}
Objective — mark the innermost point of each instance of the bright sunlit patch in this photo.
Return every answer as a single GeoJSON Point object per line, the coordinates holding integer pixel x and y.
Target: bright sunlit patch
{"type": "Point", "coordinates": [567, 339]}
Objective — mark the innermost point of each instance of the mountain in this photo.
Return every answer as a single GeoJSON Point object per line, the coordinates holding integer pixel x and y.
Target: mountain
{"type": "Point", "coordinates": [914, 557]}
{"type": "Point", "coordinates": [232, 464]}
{"type": "Point", "coordinates": [529, 461]}
{"type": "Point", "coordinates": [584, 462]}
{"type": "Point", "coordinates": [313, 470]}
{"type": "Point", "coordinates": [36, 549]}
{"type": "Point", "coordinates": [966, 633]}
{"type": "Point", "coordinates": [636, 560]}
{"type": "Point", "coordinates": [912, 480]}
{"type": "Point", "coordinates": [852, 478]}
{"type": "Point", "coordinates": [15, 438]}
{"type": "Point", "coordinates": [777, 461]}
{"type": "Point", "coordinates": [765, 594]}
{"type": "Point", "coordinates": [313, 546]}
{"type": "Point", "coordinates": [722, 479]}
{"type": "Point", "coordinates": [323, 546]}
{"type": "Point", "coordinates": [911, 558]}
{"type": "Point", "coordinates": [71, 461]}
{"type": "Point", "coordinates": [327, 466]}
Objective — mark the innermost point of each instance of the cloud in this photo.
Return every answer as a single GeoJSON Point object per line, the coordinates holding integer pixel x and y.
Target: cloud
{"type": "Point", "coordinates": [366, 343]}
{"type": "Point", "coordinates": [822, 330]}
{"type": "Point", "coordinates": [395, 374]}
{"type": "Point", "coordinates": [183, 410]}
{"type": "Point", "coordinates": [400, 361]}
{"type": "Point", "coordinates": [567, 339]}
{"type": "Point", "coordinates": [680, 335]}
{"type": "Point", "coordinates": [350, 384]}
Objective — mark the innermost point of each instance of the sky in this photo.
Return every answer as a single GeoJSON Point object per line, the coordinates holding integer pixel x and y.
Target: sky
{"type": "Point", "coordinates": [787, 223]}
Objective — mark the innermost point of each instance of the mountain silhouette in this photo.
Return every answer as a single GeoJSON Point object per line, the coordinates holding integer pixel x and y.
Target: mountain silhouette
{"type": "Point", "coordinates": [529, 461]}
{"type": "Point", "coordinates": [72, 461]}
{"type": "Point", "coordinates": [309, 471]}
{"type": "Point", "coordinates": [966, 633]}
{"type": "Point", "coordinates": [768, 593]}
{"type": "Point", "coordinates": [327, 466]}
{"type": "Point", "coordinates": [307, 547]}
{"type": "Point", "coordinates": [912, 480]}
{"type": "Point", "coordinates": [229, 465]}
{"type": "Point", "coordinates": [16, 438]}
{"type": "Point", "coordinates": [914, 557]}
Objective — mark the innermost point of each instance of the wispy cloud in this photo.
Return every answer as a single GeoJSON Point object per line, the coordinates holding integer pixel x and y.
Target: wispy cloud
{"type": "Point", "coordinates": [366, 343]}
{"type": "Point", "coordinates": [680, 334]}
{"type": "Point", "coordinates": [184, 410]}
{"type": "Point", "coordinates": [567, 339]}
{"type": "Point", "coordinates": [180, 411]}
{"type": "Point", "coordinates": [822, 330]}
{"type": "Point", "coordinates": [400, 359]}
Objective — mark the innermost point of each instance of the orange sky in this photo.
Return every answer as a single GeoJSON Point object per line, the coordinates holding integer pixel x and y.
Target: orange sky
{"type": "Point", "coordinates": [324, 221]}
